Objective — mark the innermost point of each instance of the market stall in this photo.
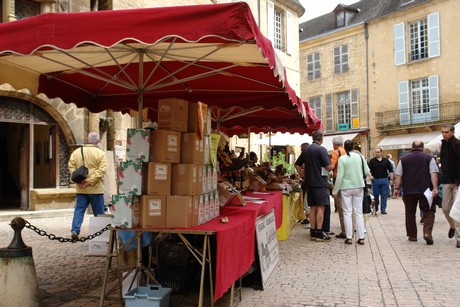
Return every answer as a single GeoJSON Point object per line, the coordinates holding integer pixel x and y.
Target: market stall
{"type": "Point", "coordinates": [136, 59]}
{"type": "Point", "coordinates": [233, 257]}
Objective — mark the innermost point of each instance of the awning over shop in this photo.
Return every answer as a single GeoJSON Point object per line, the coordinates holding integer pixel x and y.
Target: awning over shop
{"type": "Point", "coordinates": [284, 139]}
{"type": "Point", "coordinates": [435, 144]}
{"type": "Point", "coordinates": [404, 141]}
{"type": "Point", "coordinates": [327, 140]}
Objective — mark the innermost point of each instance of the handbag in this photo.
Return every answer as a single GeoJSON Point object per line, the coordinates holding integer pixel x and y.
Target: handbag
{"type": "Point", "coordinates": [366, 197]}
{"type": "Point", "coordinates": [80, 173]}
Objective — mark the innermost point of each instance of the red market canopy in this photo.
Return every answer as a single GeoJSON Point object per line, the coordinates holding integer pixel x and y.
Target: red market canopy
{"type": "Point", "coordinates": [128, 59]}
{"type": "Point", "coordinates": [259, 119]}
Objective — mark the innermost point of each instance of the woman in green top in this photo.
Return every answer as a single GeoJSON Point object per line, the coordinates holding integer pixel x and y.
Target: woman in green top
{"type": "Point", "coordinates": [351, 174]}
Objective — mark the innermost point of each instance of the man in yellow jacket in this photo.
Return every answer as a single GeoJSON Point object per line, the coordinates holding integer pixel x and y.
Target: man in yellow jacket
{"type": "Point", "coordinates": [90, 190]}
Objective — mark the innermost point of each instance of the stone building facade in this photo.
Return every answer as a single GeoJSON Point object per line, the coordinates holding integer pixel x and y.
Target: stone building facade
{"type": "Point", "coordinates": [399, 56]}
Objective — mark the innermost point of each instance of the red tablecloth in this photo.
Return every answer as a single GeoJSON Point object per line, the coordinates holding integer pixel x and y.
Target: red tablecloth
{"type": "Point", "coordinates": [274, 201]}
{"type": "Point", "coordinates": [235, 240]}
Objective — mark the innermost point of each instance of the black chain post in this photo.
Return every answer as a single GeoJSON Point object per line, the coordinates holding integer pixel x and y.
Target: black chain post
{"type": "Point", "coordinates": [61, 239]}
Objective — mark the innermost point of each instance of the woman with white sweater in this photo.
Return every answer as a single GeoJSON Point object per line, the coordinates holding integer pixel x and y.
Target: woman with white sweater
{"type": "Point", "coordinates": [351, 175]}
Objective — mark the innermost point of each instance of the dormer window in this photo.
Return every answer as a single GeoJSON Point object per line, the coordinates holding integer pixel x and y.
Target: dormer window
{"type": "Point", "coordinates": [344, 14]}
{"type": "Point", "coordinates": [340, 19]}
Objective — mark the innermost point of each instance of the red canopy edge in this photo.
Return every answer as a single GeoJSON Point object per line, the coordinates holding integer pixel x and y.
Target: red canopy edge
{"type": "Point", "coordinates": [215, 23]}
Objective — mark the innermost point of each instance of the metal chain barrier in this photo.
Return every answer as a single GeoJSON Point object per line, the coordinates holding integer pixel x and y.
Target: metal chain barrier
{"type": "Point", "coordinates": [61, 239]}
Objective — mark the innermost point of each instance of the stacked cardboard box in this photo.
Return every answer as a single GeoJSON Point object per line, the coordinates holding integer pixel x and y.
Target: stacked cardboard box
{"type": "Point", "coordinates": [169, 170]}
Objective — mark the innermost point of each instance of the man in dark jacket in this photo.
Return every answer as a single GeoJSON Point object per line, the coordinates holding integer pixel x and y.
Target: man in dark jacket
{"type": "Point", "coordinates": [418, 172]}
{"type": "Point", "coordinates": [450, 178]}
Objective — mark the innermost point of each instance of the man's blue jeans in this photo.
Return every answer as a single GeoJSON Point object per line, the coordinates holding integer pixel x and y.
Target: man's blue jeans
{"type": "Point", "coordinates": [82, 202]}
{"type": "Point", "coordinates": [380, 190]}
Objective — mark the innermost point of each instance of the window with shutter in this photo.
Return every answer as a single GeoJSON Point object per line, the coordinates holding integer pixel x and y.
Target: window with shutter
{"type": "Point", "coordinates": [424, 39]}
{"type": "Point", "coordinates": [313, 66]}
{"type": "Point", "coordinates": [404, 107]}
{"type": "Point", "coordinates": [418, 35]}
{"type": "Point", "coordinates": [341, 59]}
{"type": "Point", "coordinates": [400, 44]}
{"type": "Point", "coordinates": [343, 109]}
{"type": "Point", "coordinates": [329, 113]}
{"type": "Point", "coordinates": [279, 22]}
{"type": "Point", "coordinates": [315, 104]}
{"type": "Point", "coordinates": [434, 44]}
{"type": "Point", "coordinates": [354, 108]}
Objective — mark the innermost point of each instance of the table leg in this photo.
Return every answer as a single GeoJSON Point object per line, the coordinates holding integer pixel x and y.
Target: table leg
{"type": "Point", "coordinates": [211, 285]}
{"type": "Point", "coordinates": [203, 267]}
{"type": "Point", "coordinates": [107, 265]}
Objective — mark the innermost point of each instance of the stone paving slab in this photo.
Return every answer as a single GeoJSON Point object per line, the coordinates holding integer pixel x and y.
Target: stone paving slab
{"type": "Point", "coordinates": [387, 271]}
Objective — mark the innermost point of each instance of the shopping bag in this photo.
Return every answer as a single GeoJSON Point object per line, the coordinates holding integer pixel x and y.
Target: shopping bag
{"type": "Point", "coordinates": [455, 210]}
{"type": "Point", "coordinates": [367, 204]}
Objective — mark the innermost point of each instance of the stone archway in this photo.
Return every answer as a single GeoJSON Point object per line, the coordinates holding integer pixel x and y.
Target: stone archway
{"type": "Point", "coordinates": [35, 114]}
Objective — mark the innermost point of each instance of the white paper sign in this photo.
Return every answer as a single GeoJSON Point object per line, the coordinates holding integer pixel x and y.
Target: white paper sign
{"type": "Point", "coordinates": [267, 246]}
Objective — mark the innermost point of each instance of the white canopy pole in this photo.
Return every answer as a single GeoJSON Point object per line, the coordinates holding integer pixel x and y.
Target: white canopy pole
{"type": "Point", "coordinates": [140, 91]}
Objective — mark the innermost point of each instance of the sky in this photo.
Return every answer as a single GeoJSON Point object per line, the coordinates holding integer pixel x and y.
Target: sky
{"type": "Point", "coordinates": [315, 8]}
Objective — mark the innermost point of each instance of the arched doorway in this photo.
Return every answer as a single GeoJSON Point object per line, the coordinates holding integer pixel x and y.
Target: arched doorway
{"type": "Point", "coordinates": [33, 151]}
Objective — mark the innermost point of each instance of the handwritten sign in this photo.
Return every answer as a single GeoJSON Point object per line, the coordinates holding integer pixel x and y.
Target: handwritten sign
{"type": "Point", "coordinates": [267, 246]}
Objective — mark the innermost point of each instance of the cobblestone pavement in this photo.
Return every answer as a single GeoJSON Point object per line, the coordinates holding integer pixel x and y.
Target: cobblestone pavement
{"type": "Point", "coordinates": [388, 270]}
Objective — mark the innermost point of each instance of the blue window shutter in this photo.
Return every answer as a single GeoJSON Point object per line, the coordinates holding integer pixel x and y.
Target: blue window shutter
{"type": "Point", "coordinates": [271, 22]}
{"type": "Point", "coordinates": [433, 83]}
{"type": "Point", "coordinates": [434, 37]}
{"type": "Point", "coordinates": [400, 44]}
{"type": "Point", "coordinates": [404, 103]}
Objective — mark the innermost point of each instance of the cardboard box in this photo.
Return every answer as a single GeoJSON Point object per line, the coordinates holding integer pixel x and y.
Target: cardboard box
{"type": "Point", "coordinates": [216, 204]}
{"type": "Point", "coordinates": [165, 146]}
{"type": "Point", "coordinates": [228, 194]}
{"type": "Point", "coordinates": [184, 179]}
{"type": "Point", "coordinates": [138, 145]}
{"type": "Point", "coordinates": [207, 208]}
{"type": "Point", "coordinates": [179, 211]}
{"type": "Point", "coordinates": [201, 180]}
{"type": "Point", "coordinates": [206, 149]}
{"type": "Point", "coordinates": [197, 115]}
{"type": "Point", "coordinates": [123, 211]}
{"type": "Point", "coordinates": [131, 178]}
{"type": "Point", "coordinates": [173, 114]}
{"type": "Point", "coordinates": [195, 210]}
{"type": "Point", "coordinates": [209, 178]}
{"type": "Point", "coordinates": [152, 211]}
{"type": "Point", "coordinates": [191, 149]}
{"type": "Point", "coordinates": [201, 218]}
{"type": "Point", "coordinates": [158, 179]}
{"type": "Point", "coordinates": [208, 123]}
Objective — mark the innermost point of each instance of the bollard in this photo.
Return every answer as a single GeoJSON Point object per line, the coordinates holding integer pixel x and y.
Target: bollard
{"type": "Point", "coordinates": [18, 278]}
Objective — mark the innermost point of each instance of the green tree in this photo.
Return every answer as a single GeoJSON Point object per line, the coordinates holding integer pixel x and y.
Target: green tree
{"type": "Point", "coordinates": [280, 158]}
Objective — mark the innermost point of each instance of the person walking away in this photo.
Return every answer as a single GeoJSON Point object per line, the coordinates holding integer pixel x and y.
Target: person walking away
{"type": "Point", "coordinates": [90, 190]}
{"type": "Point", "coordinates": [391, 188]}
{"type": "Point", "coordinates": [416, 172]}
{"type": "Point", "coordinates": [381, 171]}
{"type": "Point", "coordinates": [299, 168]}
{"type": "Point", "coordinates": [350, 182]}
{"type": "Point", "coordinates": [337, 143]}
{"type": "Point", "coordinates": [316, 167]}
{"type": "Point", "coordinates": [450, 177]}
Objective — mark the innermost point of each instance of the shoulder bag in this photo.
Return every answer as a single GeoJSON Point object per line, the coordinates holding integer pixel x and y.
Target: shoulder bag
{"type": "Point", "coordinates": [366, 197]}
{"type": "Point", "coordinates": [80, 173]}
